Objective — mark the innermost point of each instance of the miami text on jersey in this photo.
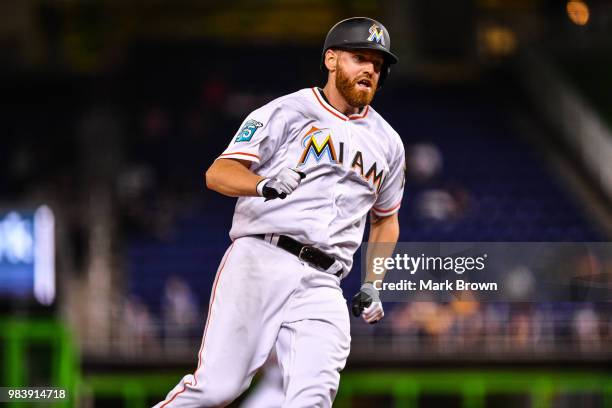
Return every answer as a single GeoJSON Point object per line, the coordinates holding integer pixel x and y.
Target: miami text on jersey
{"type": "Point", "coordinates": [318, 143]}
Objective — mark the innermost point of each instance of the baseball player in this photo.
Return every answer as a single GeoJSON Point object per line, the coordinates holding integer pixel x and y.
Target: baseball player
{"type": "Point", "coordinates": [307, 168]}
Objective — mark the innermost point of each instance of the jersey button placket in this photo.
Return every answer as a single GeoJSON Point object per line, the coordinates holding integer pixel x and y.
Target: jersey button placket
{"type": "Point", "coordinates": [348, 152]}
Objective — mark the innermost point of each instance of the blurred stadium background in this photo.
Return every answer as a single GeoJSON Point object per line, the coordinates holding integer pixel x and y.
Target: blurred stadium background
{"type": "Point", "coordinates": [109, 241]}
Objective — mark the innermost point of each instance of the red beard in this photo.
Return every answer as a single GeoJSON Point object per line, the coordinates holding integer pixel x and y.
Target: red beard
{"type": "Point", "coordinates": [356, 98]}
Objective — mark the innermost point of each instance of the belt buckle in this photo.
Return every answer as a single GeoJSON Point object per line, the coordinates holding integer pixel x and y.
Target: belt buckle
{"type": "Point", "coordinates": [306, 253]}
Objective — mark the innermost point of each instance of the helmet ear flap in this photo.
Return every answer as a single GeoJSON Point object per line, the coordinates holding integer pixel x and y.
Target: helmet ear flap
{"type": "Point", "coordinates": [384, 73]}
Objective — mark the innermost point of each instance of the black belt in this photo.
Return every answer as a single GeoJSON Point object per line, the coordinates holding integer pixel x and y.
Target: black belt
{"type": "Point", "coordinates": [306, 253]}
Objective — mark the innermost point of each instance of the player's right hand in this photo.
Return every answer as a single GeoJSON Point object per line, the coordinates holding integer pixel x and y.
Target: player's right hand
{"type": "Point", "coordinates": [283, 184]}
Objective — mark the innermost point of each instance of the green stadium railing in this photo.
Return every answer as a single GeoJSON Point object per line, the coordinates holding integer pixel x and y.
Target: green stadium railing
{"type": "Point", "coordinates": [405, 387]}
{"type": "Point", "coordinates": [473, 386]}
{"type": "Point", "coordinates": [135, 390]}
{"type": "Point", "coordinates": [17, 335]}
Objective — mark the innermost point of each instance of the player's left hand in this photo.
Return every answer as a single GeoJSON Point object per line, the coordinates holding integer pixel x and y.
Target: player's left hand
{"type": "Point", "coordinates": [373, 313]}
{"type": "Point", "coordinates": [366, 303]}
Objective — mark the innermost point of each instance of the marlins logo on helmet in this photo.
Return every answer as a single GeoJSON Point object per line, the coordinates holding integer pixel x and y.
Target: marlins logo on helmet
{"type": "Point", "coordinates": [377, 34]}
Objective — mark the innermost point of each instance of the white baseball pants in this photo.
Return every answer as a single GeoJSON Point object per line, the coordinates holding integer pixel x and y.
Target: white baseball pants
{"type": "Point", "coordinates": [269, 391]}
{"type": "Point", "coordinates": [265, 297]}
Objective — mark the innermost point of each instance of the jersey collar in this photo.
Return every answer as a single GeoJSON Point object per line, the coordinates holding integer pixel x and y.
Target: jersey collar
{"type": "Point", "coordinates": [323, 102]}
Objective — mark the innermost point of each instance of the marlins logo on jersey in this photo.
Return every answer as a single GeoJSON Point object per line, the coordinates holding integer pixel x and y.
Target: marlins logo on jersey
{"type": "Point", "coordinates": [317, 143]}
{"type": "Point", "coordinates": [377, 35]}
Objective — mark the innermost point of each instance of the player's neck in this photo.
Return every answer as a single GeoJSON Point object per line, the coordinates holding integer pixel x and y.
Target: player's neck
{"type": "Point", "coordinates": [335, 99]}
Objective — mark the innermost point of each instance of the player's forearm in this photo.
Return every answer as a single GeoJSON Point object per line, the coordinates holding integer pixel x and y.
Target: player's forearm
{"type": "Point", "coordinates": [384, 233]}
{"type": "Point", "coordinates": [232, 178]}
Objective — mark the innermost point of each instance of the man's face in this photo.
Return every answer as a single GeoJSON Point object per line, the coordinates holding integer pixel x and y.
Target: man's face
{"type": "Point", "coordinates": [357, 75]}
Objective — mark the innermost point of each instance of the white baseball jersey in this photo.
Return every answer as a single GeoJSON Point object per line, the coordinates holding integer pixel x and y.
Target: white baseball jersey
{"type": "Point", "coordinates": [353, 164]}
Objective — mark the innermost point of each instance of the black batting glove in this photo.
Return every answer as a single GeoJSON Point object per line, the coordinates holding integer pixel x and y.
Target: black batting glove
{"type": "Point", "coordinates": [367, 299]}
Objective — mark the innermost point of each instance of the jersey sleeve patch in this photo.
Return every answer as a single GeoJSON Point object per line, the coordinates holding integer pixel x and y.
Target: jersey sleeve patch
{"type": "Point", "coordinates": [248, 130]}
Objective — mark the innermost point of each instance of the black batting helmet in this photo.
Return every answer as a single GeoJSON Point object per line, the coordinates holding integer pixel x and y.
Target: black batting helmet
{"type": "Point", "coordinates": [361, 33]}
